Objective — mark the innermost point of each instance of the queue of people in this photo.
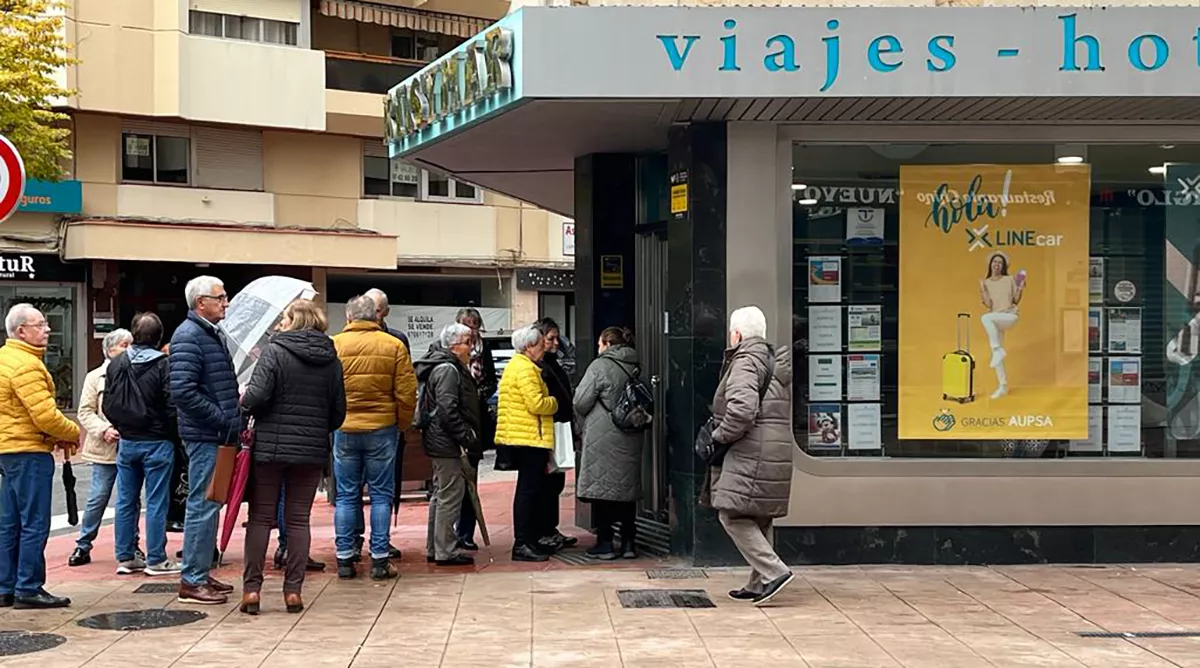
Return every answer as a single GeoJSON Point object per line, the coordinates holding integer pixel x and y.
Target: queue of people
{"type": "Point", "coordinates": [352, 396]}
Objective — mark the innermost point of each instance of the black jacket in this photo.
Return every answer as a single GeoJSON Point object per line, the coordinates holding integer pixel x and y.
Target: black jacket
{"type": "Point", "coordinates": [451, 393]}
{"type": "Point", "coordinates": [297, 398]}
{"type": "Point", "coordinates": [559, 384]}
{"type": "Point", "coordinates": [150, 374]}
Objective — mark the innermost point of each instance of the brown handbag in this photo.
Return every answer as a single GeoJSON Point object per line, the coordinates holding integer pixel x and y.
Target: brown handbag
{"type": "Point", "coordinates": [222, 477]}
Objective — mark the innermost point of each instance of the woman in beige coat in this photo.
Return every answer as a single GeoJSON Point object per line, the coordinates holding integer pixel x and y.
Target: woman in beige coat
{"type": "Point", "coordinates": [99, 448]}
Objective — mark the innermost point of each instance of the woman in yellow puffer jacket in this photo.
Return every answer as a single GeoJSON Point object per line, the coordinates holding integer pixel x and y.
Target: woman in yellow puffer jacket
{"type": "Point", "coordinates": [525, 422]}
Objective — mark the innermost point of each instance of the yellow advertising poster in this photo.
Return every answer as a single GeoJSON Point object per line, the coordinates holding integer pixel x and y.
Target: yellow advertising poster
{"type": "Point", "coordinates": [993, 302]}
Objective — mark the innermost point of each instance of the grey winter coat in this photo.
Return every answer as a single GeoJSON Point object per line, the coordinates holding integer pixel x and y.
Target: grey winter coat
{"type": "Point", "coordinates": [610, 467]}
{"type": "Point", "coordinates": [755, 479]}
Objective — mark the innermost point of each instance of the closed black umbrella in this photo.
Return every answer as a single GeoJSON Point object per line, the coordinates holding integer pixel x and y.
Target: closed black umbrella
{"type": "Point", "coordinates": [68, 479]}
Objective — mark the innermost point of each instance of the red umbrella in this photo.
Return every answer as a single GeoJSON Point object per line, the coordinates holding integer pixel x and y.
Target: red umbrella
{"type": "Point", "coordinates": [237, 487]}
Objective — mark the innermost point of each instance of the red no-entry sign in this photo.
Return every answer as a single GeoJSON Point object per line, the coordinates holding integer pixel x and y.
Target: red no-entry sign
{"type": "Point", "coordinates": [12, 178]}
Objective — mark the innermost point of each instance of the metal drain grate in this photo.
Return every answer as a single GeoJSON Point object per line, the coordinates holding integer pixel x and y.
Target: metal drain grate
{"type": "Point", "coordinates": [140, 620]}
{"type": "Point", "coordinates": [15, 643]}
{"type": "Point", "coordinates": [1139, 634]}
{"type": "Point", "coordinates": [664, 598]}
{"type": "Point", "coordinates": [676, 574]}
{"type": "Point", "coordinates": [577, 558]}
{"type": "Point", "coordinates": [157, 588]}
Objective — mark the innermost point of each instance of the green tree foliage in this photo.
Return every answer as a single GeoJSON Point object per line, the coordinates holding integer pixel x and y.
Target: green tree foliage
{"type": "Point", "coordinates": [32, 47]}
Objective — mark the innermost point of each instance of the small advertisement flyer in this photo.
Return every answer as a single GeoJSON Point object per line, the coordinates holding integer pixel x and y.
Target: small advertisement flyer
{"type": "Point", "coordinates": [1095, 379]}
{"type": "Point", "coordinates": [825, 329]}
{"type": "Point", "coordinates": [864, 227]}
{"type": "Point", "coordinates": [1125, 330]}
{"type": "Point", "coordinates": [862, 373]}
{"type": "Point", "coordinates": [1095, 329]}
{"type": "Point", "coordinates": [866, 327]}
{"type": "Point", "coordinates": [1124, 380]}
{"type": "Point", "coordinates": [825, 426]}
{"type": "Point", "coordinates": [863, 430]}
{"type": "Point", "coordinates": [824, 378]}
{"type": "Point", "coordinates": [1096, 280]}
{"type": "Point", "coordinates": [824, 279]}
{"type": "Point", "coordinates": [1124, 428]}
{"type": "Point", "coordinates": [1095, 440]}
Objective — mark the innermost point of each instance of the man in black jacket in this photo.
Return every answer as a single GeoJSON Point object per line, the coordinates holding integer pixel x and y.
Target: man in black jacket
{"type": "Point", "coordinates": [450, 419]}
{"type": "Point", "coordinates": [137, 401]}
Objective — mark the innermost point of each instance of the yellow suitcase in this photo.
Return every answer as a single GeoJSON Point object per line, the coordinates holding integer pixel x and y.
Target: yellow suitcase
{"type": "Point", "coordinates": [958, 367]}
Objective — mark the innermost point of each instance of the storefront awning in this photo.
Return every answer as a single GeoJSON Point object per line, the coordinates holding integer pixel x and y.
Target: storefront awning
{"type": "Point", "coordinates": [167, 242]}
{"type": "Point", "coordinates": [396, 17]}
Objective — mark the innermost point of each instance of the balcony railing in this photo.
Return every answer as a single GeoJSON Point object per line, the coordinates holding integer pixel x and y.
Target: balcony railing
{"type": "Point", "coordinates": [362, 73]}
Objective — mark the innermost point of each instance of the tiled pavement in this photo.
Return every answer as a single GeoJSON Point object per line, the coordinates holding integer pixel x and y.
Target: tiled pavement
{"type": "Point", "coordinates": [847, 617]}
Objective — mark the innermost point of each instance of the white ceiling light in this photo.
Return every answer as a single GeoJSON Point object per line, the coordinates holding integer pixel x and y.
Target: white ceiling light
{"type": "Point", "coordinates": [1070, 159]}
{"type": "Point", "coordinates": [1160, 170]}
{"type": "Point", "coordinates": [808, 201]}
{"type": "Point", "coordinates": [798, 186]}
{"type": "Point", "coordinates": [1070, 154]}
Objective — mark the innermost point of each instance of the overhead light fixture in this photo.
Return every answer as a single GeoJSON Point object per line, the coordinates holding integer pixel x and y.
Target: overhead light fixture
{"type": "Point", "coordinates": [1070, 159]}
{"type": "Point", "coordinates": [808, 201]}
{"type": "Point", "coordinates": [1160, 170]}
{"type": "Point", "coordinates": [1070, 154]}
{"type": "Point", "coordinates": [798, 186]}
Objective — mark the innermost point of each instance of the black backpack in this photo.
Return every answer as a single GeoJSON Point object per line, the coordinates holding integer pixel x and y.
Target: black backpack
{"type": "Point", "coordinates": [124, 406]}
{"type": "Point", "coordinates": [634, 410]}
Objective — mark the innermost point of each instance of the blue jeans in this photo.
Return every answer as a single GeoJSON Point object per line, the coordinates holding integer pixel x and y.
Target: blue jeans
{"type": "Point", "coordinates": [358, 458]}
{"type": "Point", "coordinates": [104, 477]}
{"type": "Point", "coordinates": [138, 462]}
{"type": "Point", "coordinates": [200, 525]}
{"type": "Point", "coordinates": [25, 495]}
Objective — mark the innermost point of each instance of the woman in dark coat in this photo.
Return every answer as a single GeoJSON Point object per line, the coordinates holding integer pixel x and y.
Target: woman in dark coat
{"type": "Point", "coordinates": [559, 383]}
{"type": "Point", "coordinates": [610, 465]}
{"type": "Point", "coordinates": [297, 399]}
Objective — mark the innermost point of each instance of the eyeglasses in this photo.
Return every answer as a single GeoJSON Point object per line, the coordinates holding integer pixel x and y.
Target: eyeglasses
{"type": "Point", "coordinates": [37, 325]}
{"type": "Point", "coordinates": [223, 298]}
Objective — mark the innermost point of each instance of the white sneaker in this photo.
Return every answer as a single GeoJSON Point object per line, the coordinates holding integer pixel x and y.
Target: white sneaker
{"type": "Point", "coordinates": [130, 567]}
{"type": "Point", "coordinates": [998, 356]}
{"type": "Point", "coordinates": [167, 567]}
{"type": "Point", "coordinates": [1000, 392]}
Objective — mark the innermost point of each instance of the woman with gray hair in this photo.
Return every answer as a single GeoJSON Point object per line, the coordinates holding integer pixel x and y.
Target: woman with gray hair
{"type": "Point", "coordinates": [525, 423]}
{"type": "Point", "coordinates": [99, 448]}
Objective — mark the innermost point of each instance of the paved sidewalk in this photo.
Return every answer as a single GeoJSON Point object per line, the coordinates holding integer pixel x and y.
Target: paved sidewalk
{"type": "Point", "coordinates": [846, 617]}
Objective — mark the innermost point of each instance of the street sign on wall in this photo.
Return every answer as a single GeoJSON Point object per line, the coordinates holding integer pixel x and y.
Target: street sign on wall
{"type": "Point", "coordinates": [12, 178]}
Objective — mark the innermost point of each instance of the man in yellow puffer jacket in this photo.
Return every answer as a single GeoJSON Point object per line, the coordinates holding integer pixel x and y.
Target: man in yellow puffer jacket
{"type": "Point", "coordinates": [31, 426]}
{"type": "Point", "coordinates": [381, 395]}
{"type": "Point", "coordinates": [525, 422]}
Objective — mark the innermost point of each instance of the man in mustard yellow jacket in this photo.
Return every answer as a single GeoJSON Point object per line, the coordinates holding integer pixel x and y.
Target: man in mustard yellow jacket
{"type": "Point", "coordinates": [31, 426]}
{"type": "Point", "coordinates": [381, 395]}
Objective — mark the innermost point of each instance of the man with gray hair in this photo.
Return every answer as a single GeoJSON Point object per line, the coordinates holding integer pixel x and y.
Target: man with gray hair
{"type": "Point", "coordinates": [382, 309]}
{"type": "Point", "coordinates": [381, 393]}
{"type": "Point", "coordinates": [750, 478]}
{"type": "Point", "coordinates": [205, 391]}
{"type": "Point", "coordinates": [450, 421]}
{"type": "Point", "coordinates": [32, 427]}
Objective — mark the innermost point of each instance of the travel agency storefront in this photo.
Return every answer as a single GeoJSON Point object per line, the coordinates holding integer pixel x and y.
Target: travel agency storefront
{"type": "Point", "coordinates": [978, 229]}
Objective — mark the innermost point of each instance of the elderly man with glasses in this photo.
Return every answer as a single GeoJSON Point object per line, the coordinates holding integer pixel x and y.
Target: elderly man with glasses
{"type": "Point", "coordinates": [205, 390]}
{"type": "Point", "coordinates": [32, 426]}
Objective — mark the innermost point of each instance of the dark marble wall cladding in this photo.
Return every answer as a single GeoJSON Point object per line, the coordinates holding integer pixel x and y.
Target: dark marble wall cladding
{"type": "Point", "coordinates": [956, 546]}
{"type": "Point", "coordinates": [696, 326]}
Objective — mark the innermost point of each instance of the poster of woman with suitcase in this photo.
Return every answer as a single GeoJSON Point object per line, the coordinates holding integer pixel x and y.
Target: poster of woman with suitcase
{"type": "Point", "coordinates": [1001, 295]}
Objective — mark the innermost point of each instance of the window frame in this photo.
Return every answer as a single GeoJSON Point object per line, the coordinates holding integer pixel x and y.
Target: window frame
{"type": "Point", "coordinates": [391, 184]}
{"type": "Point", "coordinates": [289, 28]}
{"type": "Point", "coordinates": [423, 192]}
{"type": "Point", "coordinates": [191, 161]}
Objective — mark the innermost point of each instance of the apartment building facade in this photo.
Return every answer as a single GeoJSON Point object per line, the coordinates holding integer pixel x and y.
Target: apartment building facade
{"type": "Point", "coordinates": [243, 138]}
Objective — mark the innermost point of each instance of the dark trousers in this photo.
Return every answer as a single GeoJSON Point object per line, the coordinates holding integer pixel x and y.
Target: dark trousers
{"type": "Point", "coordinates": [555, 484]}
{"type": "Point", "coordinates": [301, 482]}
{"type": "Point", "coordinates": [528, 502]}
{"type": "Point", "coordinates": [606, 514]}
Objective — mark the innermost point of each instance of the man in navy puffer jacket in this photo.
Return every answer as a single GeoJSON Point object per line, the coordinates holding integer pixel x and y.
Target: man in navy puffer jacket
{"type": "Point", "coordinates": [205, 389]}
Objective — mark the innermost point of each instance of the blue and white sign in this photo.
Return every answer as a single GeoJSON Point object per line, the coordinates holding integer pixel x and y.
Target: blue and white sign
{"type": "Point", "coordinates": [47, 197]}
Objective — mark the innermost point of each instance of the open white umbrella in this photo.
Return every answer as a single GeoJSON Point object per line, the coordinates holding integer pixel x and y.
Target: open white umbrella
{"type": "Point", "coordinates": [252, 314]}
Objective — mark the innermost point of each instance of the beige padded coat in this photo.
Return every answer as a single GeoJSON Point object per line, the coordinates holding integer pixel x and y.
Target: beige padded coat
{"type": "Point", "coordinates": [755, 479]}
{"type": "Point", "coordinates": [95, 449]}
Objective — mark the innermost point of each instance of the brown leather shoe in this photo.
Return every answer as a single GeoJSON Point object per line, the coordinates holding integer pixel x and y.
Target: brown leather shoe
{"type": "Point", "coordinates": [293, 602]}
{"type": "Point", "coordinates": [202, 595]}
{"type": "Point", "coordinates": [250, 603]}
{"type": "Point", "coordinates": [219, 586]}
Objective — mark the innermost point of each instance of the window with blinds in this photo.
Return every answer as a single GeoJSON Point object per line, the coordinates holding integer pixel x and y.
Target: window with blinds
{"type": "Point", "coordinates": [203, 157]}
{"type": "Point", "coordinates": [249, 28]}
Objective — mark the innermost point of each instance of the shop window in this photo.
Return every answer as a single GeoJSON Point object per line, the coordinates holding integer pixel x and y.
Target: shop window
{"type": "Point", "coordinates": [438, 187]}
{"type": "Point", "coordinates": [247, 28]}
{"type": "Point", "coordinates": [58, 305]}
{"type": "Point", "coordinates": [1123, 317]}
{"type": "Point", "coordinates": [155, 159]}
{"type": "Point", "coordinates": [384, 177]}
